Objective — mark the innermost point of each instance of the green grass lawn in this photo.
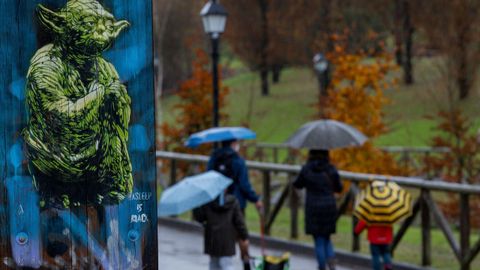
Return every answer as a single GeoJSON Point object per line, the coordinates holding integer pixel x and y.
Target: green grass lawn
{"type": "Point", "coordinates": [277, 116]}
{"type": "Point", "coordinates": [291, 104]}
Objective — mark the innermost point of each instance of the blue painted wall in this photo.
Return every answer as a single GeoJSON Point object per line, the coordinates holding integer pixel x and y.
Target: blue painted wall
{"type": "Point", "coordinates": [122, 232]}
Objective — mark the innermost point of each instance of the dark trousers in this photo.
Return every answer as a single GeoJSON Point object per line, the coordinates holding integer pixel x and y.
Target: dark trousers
{"type": "Point", "coordinates": [379, 253]}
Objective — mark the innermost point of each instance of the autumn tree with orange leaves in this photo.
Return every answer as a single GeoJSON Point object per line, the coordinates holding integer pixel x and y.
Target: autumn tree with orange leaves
{"type": "Point", "coordinates": [194, 108]}
{"type": "Point", "coordinates": [461, 164]}
{"type": "Point", "coordinates": [356, 97]}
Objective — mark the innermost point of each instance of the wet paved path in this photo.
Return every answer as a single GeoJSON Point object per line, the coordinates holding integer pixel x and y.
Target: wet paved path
{"type": "Point", "coordinates": [181, 249]}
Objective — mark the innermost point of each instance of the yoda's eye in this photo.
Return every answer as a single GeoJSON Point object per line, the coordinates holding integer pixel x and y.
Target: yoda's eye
{"type": "Point", "coordinates": [89, 21]}
{"type": "Point", "coordinates": [109, 24]}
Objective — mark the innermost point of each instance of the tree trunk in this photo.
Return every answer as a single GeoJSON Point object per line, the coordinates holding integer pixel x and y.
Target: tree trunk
{"type": "Point", "coordinates": [276, 72]}
{"type": "Point", "coordinates": [327, 25]}
{"type": "Point", "coordinates": [398, 32]}
{"type": "Point", "coordinates": [264, 48]}
{"type": "Point", "coordinates": [462, 72]}
{"type": "Point", "coordinates": [264, 82]}
{"type": "Point", "coordinates": [408, 35]}
{"type": "Point", "coordinates": [463, 82]}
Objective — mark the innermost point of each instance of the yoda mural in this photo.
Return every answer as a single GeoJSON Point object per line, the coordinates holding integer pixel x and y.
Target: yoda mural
{"type": "Point", "coordinates": [79, 110]}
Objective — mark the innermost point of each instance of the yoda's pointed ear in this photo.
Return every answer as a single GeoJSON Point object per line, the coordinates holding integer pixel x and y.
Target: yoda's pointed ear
{"type": "Point", "coordinates": [119, 26]}
{"type": "Point", "coordinates": [51, 20]}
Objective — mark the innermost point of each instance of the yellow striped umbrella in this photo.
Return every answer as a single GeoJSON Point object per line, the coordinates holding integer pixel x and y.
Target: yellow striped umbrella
{"type": "Point", "coordinates": [383, 203]}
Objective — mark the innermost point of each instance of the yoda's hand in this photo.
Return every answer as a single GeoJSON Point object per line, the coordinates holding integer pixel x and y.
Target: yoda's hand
{"type": "Point", "coordinates": [113, 87]}
{"type": "Point", "coordinates": [116, 108]}
{"type": "Point", "coordinates": [106, 74]}
{"type": "Point", "coordinates": [97, 88]}
{"type": "Point", "coordinates": [116, 90]}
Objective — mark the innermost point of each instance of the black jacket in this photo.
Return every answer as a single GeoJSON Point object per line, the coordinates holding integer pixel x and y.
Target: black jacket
{"type": "Point", "coordinates": [321, 180]}
{"type": "Point", "coordinates": [223, 226]}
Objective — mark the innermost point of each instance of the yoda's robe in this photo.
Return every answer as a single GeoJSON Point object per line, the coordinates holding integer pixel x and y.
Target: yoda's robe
{"type": "Point", "coordinates": [77, 130]}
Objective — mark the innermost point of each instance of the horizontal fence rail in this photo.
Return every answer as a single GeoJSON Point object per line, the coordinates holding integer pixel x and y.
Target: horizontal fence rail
{"type": "Point", "coordinates": [393, 149]}
{"type": "Point", "coordinates": [409, 157]}
{"type": "Point", "coordinates": [413, 182]}
{"type": "Point", "coordinates": [424, 205]}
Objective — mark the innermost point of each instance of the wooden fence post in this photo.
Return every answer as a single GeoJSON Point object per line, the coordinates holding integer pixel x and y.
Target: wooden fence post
{"type": "Point", "coordinates": [173, 172]}
{"type": "Point", "coordinates": [406, 159]}
{"type": "Point", "coordinates": [356, 238]}
{"type": "Point", "coordinates": [290, 158]}
{"type": "Point", "coordinates": [275, 154]}
{"type": "Point", "coordinates": [426, 230]}
{"type": "Point", "coordinates": [464, 230]}
{"type": "Point", "coordinates": [266, 198]}
{"type": "Point", "coordinates": [294, 205]}
{"type": "Point", "coordinates": [260, 153]}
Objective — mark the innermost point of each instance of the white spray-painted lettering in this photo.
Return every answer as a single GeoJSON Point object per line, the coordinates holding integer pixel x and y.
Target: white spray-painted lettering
{"type": "Point", "coordinates": [139, 218]}
{"type": "Point", "coordinates": [140, 196]}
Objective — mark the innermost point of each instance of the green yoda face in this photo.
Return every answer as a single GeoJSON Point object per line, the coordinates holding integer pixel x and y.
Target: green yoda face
{"type": "Point", "coordinates": [83, 26]}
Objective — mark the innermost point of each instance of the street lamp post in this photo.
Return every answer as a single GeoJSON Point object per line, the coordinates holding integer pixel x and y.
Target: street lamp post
{"type": "Point", "coordinates": [322, 70]}
{"type": "Point", "coordinates": [214, 18]}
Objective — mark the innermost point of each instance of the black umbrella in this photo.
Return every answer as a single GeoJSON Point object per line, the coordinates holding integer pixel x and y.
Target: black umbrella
{"type": "Point", "coordinates": [326, 135]}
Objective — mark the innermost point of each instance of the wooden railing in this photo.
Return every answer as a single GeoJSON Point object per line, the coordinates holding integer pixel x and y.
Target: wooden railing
{"type": "Point", "coordinates": [412, 158]}
{"type": "Point", "coordinates": [424, 205]}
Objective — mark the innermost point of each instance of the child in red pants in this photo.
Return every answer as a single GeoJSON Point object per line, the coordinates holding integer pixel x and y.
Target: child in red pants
{"type": "Point", "coordinates": [380, 238]}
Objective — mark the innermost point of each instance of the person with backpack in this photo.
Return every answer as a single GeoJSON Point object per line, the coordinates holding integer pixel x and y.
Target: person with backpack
{"type": "Point", "coordinates": [380, 238]}
{"type": "Point", "coordinates": [228, 162]}
{"type": "Point", "coordinates": [224, 224]}
{"type": "Point", "coordinates": [321, 180]}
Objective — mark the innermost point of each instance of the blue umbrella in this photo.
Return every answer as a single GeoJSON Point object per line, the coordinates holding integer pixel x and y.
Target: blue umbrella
{"type": "Point", "coordinates": [219, 134]}
{"type": "Point", "coordinates": [192, 192]}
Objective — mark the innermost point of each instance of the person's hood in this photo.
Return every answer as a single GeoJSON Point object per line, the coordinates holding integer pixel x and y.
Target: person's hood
{"type": "Point", "coordinates": [228, 203]}
{"type": "Point", "coordinates": [223, 152]}
{"type": "Point", "coordinates": [318, 164]}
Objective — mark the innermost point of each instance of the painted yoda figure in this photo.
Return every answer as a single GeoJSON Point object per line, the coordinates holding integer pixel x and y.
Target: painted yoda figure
{"type": "Point", "coordinates": [79, 111]}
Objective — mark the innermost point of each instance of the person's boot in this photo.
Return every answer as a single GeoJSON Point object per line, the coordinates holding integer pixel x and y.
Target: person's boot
{"type": "Point", "coordinates": [331, 263]}
{"type": "Point", "coordinates": [246, 264]}
{"type": "Point", "coordinates": [388, 267]}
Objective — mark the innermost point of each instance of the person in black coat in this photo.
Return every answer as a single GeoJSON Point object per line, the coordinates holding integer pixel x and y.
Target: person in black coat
{"type": "Point", "coordinates": [321, 180]}
{"type": "Point", "coordinates": [224, 224]}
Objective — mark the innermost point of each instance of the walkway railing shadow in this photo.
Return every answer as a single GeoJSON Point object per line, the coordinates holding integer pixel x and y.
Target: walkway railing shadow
{"type": "Point", "coordinates": [424, 205]}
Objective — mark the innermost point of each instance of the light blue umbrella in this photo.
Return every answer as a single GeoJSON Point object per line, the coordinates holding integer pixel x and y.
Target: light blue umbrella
{"type": "Point", "coordinates": [219, 134]}
{"type": "Point", "coordinates": [192, 192]}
